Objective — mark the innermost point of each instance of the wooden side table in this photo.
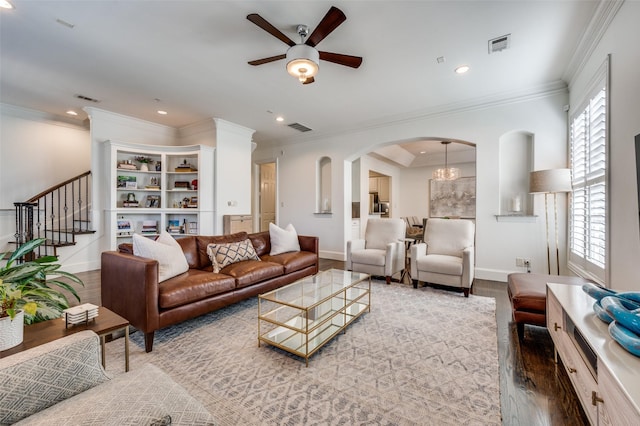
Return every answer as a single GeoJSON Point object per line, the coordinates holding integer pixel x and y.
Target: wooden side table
{"type": "Point", "coordinates": [104, 324]}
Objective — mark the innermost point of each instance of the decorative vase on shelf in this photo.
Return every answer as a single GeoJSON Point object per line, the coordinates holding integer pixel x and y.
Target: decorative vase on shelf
{"type": "Point", "coordinates": [144, 167]}
{"type": "Point", "coordinates": [11, 331]}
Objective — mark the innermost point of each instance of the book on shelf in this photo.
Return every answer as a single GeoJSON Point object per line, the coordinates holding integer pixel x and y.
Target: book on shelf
{"type": "Point", "coordinates": [127, 166]}
{"type": "Point", "coordinates": [149, 227]}
{"type": "Point", "coordinates": [174, 227]}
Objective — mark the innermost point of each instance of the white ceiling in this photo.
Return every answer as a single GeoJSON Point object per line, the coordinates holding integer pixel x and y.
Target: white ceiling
{"type": "Point", "coordinates": [190, 58]}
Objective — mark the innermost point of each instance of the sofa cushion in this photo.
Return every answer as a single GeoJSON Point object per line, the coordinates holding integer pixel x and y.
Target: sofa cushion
{"type": "Point", "coordinates": [441, 264]}
{"type": "Point", "coordinates": [293, 261]}
{"type": "Point", "coordinates": [375, 257]}
{"type": "Point", "coordinates": [166, 250]}
{"type": "Point", "coordinates": [47, 374]}
{"type": "Point", "coordinates": [283, 240]}
{"type": "Point", "coordinates": [190, 250]}
{"type": "Point", "coordinates": [249, 272]}
{"type": "Point", "coordinates": [222, 255]}
{"type": "Point", "coordinates": [203, 242]}
{"type": "Point", "coordinates": [192, 286]}
{"type": "Point", "coordinates": [143, 396]}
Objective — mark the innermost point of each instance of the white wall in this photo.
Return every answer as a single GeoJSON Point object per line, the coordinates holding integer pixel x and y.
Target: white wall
{"type": "Point", "coordinates": [621, 41]}
{"type": "Point", "coordinates": [541, 115]}
{"type": "Point", "coordinates": [414, 188]}
{"type": "Point", "coordinates": [36, 152]}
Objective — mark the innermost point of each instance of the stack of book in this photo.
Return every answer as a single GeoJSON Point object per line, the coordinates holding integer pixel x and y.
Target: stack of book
{"type": "Point", "coordinates": [80, 314]}
{"type": "Point", "coordinates": [127, 166]}
{"type": "Point", "coordinates": [174, 227]}
{"type": "Point", "coordinates": [149, 227]}
{"type": "Point", "coordinates": [185, 167]}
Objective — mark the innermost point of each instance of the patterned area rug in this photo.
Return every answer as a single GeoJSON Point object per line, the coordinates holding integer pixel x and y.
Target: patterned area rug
{"type": "Point", "coordinates": [425, 356]}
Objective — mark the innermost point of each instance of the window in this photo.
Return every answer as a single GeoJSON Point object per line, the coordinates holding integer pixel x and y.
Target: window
{"type": "Point", "coordinates": [588, 208]}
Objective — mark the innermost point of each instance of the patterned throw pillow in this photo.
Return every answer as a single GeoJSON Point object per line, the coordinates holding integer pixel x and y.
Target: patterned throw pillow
{"type": "Point", "coordinates": [222, 255]}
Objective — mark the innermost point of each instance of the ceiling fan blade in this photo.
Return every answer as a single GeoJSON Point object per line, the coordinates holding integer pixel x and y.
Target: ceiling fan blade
{"type": "Point", "coordinates": [330, 22]}
{"type": "Point", "coordinates": [338, 58]}
{"type": "Point", "coordinates": [267, 60]}
{"type": "Point", "coordinates": [309, 80]}
{"type": "Point", "coordinates": [262, 23]}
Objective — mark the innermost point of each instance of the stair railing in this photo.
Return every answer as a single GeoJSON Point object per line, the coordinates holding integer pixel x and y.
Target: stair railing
{"type": "Point", "coordinates": [56, 214]}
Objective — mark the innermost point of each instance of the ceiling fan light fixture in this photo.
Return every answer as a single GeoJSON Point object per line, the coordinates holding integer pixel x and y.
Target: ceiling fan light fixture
{"type": "Point", "coordinates": [302, 62]}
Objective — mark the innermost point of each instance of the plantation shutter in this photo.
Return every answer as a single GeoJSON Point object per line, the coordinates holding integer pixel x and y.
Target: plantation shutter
{"type": "Point", "coordinates": [588, 207]}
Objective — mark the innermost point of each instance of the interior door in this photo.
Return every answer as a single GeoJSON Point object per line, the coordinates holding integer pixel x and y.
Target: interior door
{"type": "Point", "coordinates": [267, 195]}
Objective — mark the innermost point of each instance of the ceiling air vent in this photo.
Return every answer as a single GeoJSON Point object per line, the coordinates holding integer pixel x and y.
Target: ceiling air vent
{"type": "Point", "coordinates": [299, 127]}
{"type": "Point", "coordinates": [86, 98]}
{"type": "Point", "coordinates": [499, 44]}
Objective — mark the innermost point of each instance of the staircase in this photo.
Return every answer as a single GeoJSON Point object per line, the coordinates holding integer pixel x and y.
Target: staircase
{"type": "Point", "coordinates": [57, 214]}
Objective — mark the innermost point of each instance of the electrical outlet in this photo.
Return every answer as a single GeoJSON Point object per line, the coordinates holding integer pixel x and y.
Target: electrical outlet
{"type": "Point", "coordinates": [519, 261]}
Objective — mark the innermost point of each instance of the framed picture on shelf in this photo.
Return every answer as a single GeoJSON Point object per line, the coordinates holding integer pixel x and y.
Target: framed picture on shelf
{"type": "Point", "coordinates": [127, 182]}
{"type": "Point", "coordinates": [153, 201]}
{"type": "Point", "coordinates": [193, 203]}
{"type": "Point", "coordinates": [125, 228]}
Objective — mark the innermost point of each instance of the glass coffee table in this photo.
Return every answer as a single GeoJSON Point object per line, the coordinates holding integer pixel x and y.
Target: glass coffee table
{"type": "Point", "coordinates": [301, 317]}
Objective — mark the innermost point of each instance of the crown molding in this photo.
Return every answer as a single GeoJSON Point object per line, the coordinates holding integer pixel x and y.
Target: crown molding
{"type": "Point", "coordinates": [43, 117]}
{"type": "Point", "coordinates": [485, 102]}
{"type": "Point", "coordinates": [600, 21]}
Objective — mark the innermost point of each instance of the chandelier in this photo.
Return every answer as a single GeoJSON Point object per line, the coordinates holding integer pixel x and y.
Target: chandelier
{"type": "Point", "coordinates": [446, 173]}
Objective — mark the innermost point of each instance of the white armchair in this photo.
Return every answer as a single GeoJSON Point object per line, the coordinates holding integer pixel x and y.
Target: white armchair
{"type": "Point", "coordinates": [447, 255]}
{"type": "Point", "coordinates": [381, 252]}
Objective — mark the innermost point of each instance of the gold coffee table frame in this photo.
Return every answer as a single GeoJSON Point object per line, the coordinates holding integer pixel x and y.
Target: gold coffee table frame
{"type": "Point", "coordinates": [301, 317]}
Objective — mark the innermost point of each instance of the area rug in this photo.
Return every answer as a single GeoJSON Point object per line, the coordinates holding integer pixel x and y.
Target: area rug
{"type": "Point", "coordinates": [420, 357]}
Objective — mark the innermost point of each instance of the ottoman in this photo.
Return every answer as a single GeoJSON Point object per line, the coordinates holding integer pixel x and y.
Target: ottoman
{"type": "Point", "coordinates": [528, 297]}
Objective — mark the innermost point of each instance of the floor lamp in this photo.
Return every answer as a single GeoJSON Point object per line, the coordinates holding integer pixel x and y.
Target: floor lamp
{"type": "Point", "coordinates": [550, 182]}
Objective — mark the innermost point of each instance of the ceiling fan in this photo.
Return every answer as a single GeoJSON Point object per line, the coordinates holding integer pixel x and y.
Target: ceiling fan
{"type": "Point", "coordinates": [303, 58]}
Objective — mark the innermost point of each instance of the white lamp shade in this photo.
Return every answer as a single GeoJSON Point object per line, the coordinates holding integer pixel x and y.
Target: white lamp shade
{"type": "Point", "coordinates": [550, 181]}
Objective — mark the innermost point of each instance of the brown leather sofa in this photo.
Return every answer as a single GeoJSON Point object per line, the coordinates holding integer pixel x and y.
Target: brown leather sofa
{"type": "Point", "coordinates": [130, 285]}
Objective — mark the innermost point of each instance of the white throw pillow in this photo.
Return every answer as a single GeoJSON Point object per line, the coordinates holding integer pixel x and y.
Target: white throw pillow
{"type": "Point", "coordinates": [166, 250]}
{"type": "Point", "coordinates": [283, 240]}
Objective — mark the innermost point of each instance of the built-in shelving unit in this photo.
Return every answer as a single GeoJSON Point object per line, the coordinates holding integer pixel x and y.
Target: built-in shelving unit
{"type": "Point", "coordinates": [175, 193]}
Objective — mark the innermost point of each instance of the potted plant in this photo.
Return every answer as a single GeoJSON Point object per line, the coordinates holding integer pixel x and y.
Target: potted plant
{"type": "Point", "coordinates": [144, 162]}
{"type": "Point", "coordinates": [28, 294]}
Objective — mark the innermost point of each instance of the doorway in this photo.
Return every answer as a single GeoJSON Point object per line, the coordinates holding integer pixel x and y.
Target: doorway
{"type": "Point", "coordinates": [267, 195]}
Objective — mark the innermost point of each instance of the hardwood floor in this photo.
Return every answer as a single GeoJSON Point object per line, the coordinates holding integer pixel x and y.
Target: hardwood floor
{"type": "Point", "coordinates": [533, 389]}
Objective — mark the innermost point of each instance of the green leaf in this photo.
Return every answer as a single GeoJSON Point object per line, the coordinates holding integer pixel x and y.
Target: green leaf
{"type": "Point", "coordinates": [27, 247]}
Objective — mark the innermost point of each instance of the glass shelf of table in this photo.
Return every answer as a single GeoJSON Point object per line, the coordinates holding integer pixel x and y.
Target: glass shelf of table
{"type": "Point", "coordinates": [303, 316]}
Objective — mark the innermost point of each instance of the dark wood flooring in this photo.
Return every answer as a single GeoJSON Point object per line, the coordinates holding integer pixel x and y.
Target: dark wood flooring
{"type": "Point", "coordinates": [533, 389]}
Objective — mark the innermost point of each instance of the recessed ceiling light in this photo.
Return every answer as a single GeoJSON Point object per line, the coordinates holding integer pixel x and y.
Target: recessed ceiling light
{"type": "Point", "coordinates": [279, 118]}
{"type": "Point", "coordinates": [423, 152]}
{"type": "Point", "coordinates": [4, 4]}
{"type": "Point", "coordinates": [161, 112]}
{"type": "Point", "coordinates": [462, 69]}
{"type": "Point", "coordinates": [72, 112]}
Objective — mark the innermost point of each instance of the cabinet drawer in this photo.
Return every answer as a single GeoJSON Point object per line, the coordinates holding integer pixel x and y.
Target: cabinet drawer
{"type": "Point", "coordinates": [581, 378]}
{"type": "Point", "coordinates": [555, 320]}
{"type": "Point", "coordinates": [616, 410]}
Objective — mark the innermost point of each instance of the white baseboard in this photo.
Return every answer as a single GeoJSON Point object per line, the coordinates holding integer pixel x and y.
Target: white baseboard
{"type": "Point", "coordinates": [492, 274]}
{"type": "Point", "coordinates": [333, 255]}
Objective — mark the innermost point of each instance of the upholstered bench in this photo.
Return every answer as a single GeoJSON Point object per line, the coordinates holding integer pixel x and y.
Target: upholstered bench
{"type": "Point", "coordinates": [528, 297]}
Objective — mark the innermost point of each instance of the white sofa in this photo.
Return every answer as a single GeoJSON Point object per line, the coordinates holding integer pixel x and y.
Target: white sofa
{"type": "Point", "coordinates": [63, 383]}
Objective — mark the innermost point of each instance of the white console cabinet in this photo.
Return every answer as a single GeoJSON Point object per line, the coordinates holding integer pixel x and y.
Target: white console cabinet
{"type": "Point", "coordinates": [605, 376]}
